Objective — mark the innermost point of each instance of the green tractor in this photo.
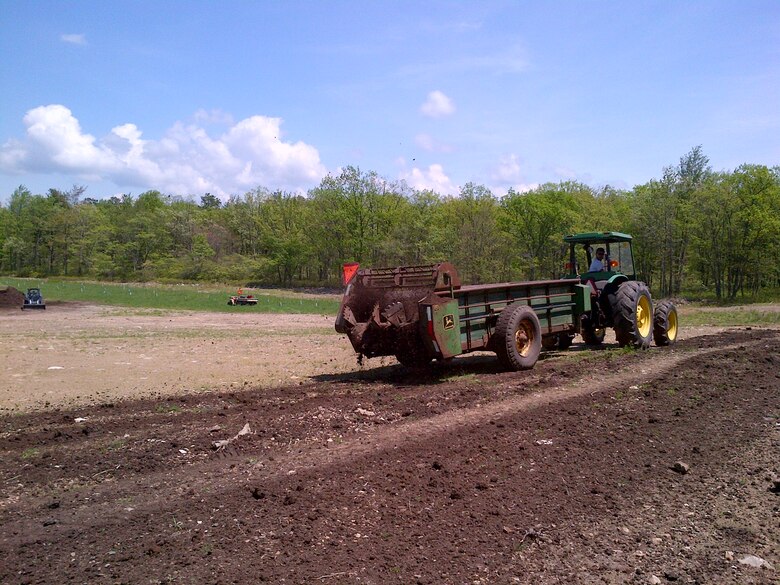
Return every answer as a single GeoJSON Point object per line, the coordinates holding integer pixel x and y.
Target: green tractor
{"type": "Point", "coordinates": [604, 261]}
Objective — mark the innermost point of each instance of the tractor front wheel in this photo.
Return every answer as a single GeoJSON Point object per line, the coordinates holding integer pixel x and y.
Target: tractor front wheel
{"type": "Point", "coordinates": [565, 340]}
{"type": "Point", "coordinates": [561, 341]}
{"type": "Point", "coordinates": [593, 335]}
{"type": "Point", "coordinates": [518, 337]}
{"type": "Point", "coordinates": [633, 315]}
{"type": "Point", "coordinates": [665, 323]}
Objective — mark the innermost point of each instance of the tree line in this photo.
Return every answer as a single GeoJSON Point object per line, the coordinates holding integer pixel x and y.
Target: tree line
{"type": "Point", "coordinates": [694, 228]}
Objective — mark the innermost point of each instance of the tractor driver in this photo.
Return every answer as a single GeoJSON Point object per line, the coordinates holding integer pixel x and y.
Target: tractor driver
{"type": "Point", "coordinates": [599, 263]}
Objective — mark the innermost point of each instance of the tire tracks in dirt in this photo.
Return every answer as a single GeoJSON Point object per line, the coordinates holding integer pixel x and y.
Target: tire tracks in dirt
{"type": "Point", "coordinates": [233, 473]}
{"type": "Point", "coordinates": [394, 437]}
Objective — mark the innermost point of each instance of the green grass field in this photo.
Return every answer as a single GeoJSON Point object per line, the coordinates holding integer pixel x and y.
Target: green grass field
{"type": "Point", "coordinates": [182, 297]}
{"type": "Point", "coordinates": [693, 316]}
{"type": "Point", "coordinates": [194, 297]}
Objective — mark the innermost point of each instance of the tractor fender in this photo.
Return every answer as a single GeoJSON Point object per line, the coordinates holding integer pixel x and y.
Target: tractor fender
{"type": "Point", "coordinates": [611, 286]}
{"type": "Point", "coordinates": [616, 281]}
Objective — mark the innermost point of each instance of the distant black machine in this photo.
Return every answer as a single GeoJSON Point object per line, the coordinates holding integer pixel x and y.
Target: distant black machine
{"type": "Point", "coordinates": [33, 299]}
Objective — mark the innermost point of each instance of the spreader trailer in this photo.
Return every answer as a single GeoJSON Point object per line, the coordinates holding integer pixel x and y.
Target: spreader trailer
{"type": "Point", "coordinates": [422, 313]}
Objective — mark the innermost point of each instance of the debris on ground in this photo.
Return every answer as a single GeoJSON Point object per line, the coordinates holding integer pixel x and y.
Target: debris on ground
{"type": "Point", "coordinates": [225, 442]}
{"type": "Point", "coordinates": [754, 561]}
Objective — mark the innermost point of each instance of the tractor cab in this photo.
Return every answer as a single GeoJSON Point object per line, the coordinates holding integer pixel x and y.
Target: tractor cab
{"type": "Point", "coordinates": [617, 261]}
{"type": "Point", "coordinates": [603, 261]}
{"type": "Point", "coordinates": [617, 298]}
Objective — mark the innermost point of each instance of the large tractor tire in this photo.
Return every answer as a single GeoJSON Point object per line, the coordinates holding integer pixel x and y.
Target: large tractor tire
{"type": "Point", "coordinates": [518, 337]}
{"type": "Point", "coordinates": [665, 323]}
{"type": "Point", "coordinates": [632, 315]}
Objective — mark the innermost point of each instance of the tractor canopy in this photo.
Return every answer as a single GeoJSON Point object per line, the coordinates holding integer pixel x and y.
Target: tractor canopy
{"type": "Point", "coordinates": [597, 238]}
{"type": "Point", "coordinates": [617, 263]}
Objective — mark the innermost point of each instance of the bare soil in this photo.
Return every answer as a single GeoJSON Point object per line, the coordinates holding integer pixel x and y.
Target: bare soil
{"type": "Point", "coordinates": [597, 466]}
{"type": "Point", "coordinates": [10, 298]}
{"type": "Point", "coordinates": [77, 354]}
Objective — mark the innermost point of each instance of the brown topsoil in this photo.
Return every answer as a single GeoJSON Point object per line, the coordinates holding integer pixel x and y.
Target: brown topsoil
{"type": "Point", "coordinates": [10, 298]}
{"type": "Point", "coordinates": [597, 466]}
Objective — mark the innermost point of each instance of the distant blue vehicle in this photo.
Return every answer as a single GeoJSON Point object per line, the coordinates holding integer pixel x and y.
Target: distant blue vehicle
{"type": "Point", "coordinates": [33, 299]}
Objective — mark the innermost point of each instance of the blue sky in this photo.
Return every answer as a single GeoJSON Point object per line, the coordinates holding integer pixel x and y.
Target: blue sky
{"type": "Point", "coordinates": [190, 97]}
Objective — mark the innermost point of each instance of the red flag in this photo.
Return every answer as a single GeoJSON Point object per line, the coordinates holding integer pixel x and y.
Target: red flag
{"type": "Point", "coordinates": [349, 269]}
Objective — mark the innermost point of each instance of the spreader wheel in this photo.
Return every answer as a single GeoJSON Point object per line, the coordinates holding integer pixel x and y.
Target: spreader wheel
{"type": "Point", "coordinates": [518, 337]}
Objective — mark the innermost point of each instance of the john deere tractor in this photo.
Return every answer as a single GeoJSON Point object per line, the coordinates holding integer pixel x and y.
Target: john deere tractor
{"type": "Point", "coordinates": [618, 299]}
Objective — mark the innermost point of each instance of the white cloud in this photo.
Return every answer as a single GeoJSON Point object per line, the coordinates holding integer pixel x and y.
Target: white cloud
{"type": "Point", "coordinates": [454, 27]}
{"type": "Point", "coordinates": [186, 160]}
{"type": "Point", "coordinates": [434, 178]}
{"type": "Point", "coordinates": [424, 141]}
{"type": "Point", "coordinates": [74, 39]}
{"type": "Point", "coordinates": [437, 105]}
{"type": "Point", "coordinates": [507, 169]}
{"type": "Point", "coordinates": [507, 174]}
{"type": "Point", "coordinates": [501, 190]}
{"type": "Point", "coordinates": [565, 173]}
{"type": "Point", "coordinates": [215, 116]}
{"type": "Point", "coordinates": [511, 60]}
{"type": "Point", "coordinates": [428, 143]}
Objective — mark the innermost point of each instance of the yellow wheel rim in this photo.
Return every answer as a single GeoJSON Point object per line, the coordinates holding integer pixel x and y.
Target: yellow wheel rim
{"type": "Point", "coordinates": [644, 316]}
{"type": "Point", "coordinates": [671, 330]}
{"type": "Point", "coordinates": [524, 337]}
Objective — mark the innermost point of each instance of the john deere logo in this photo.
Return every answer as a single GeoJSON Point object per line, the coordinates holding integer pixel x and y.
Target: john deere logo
{"type": "Point", "coordinates": [449, 321]}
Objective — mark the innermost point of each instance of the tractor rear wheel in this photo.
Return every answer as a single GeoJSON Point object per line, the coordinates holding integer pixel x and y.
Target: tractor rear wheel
{"type": "Point", "coordinates": [632, 314]}
{"type": "Point", "coordinates": [518, 337]}
{"type": "Point", "coordinates": [665, 323]}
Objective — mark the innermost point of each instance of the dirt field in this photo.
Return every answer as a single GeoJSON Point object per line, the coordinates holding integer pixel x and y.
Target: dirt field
{"type": "Point", "coordinates": [76, 354]}
{"type": "Point", "coordinates": [144, 448]}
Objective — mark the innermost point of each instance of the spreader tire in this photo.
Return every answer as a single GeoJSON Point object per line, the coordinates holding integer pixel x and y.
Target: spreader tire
{"type": "Point", "coordinates": [665, 323]}
{"type": "Point", "coordinates": [518, 337]}
{"type": "Point", "coordinates": [633, 315]}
